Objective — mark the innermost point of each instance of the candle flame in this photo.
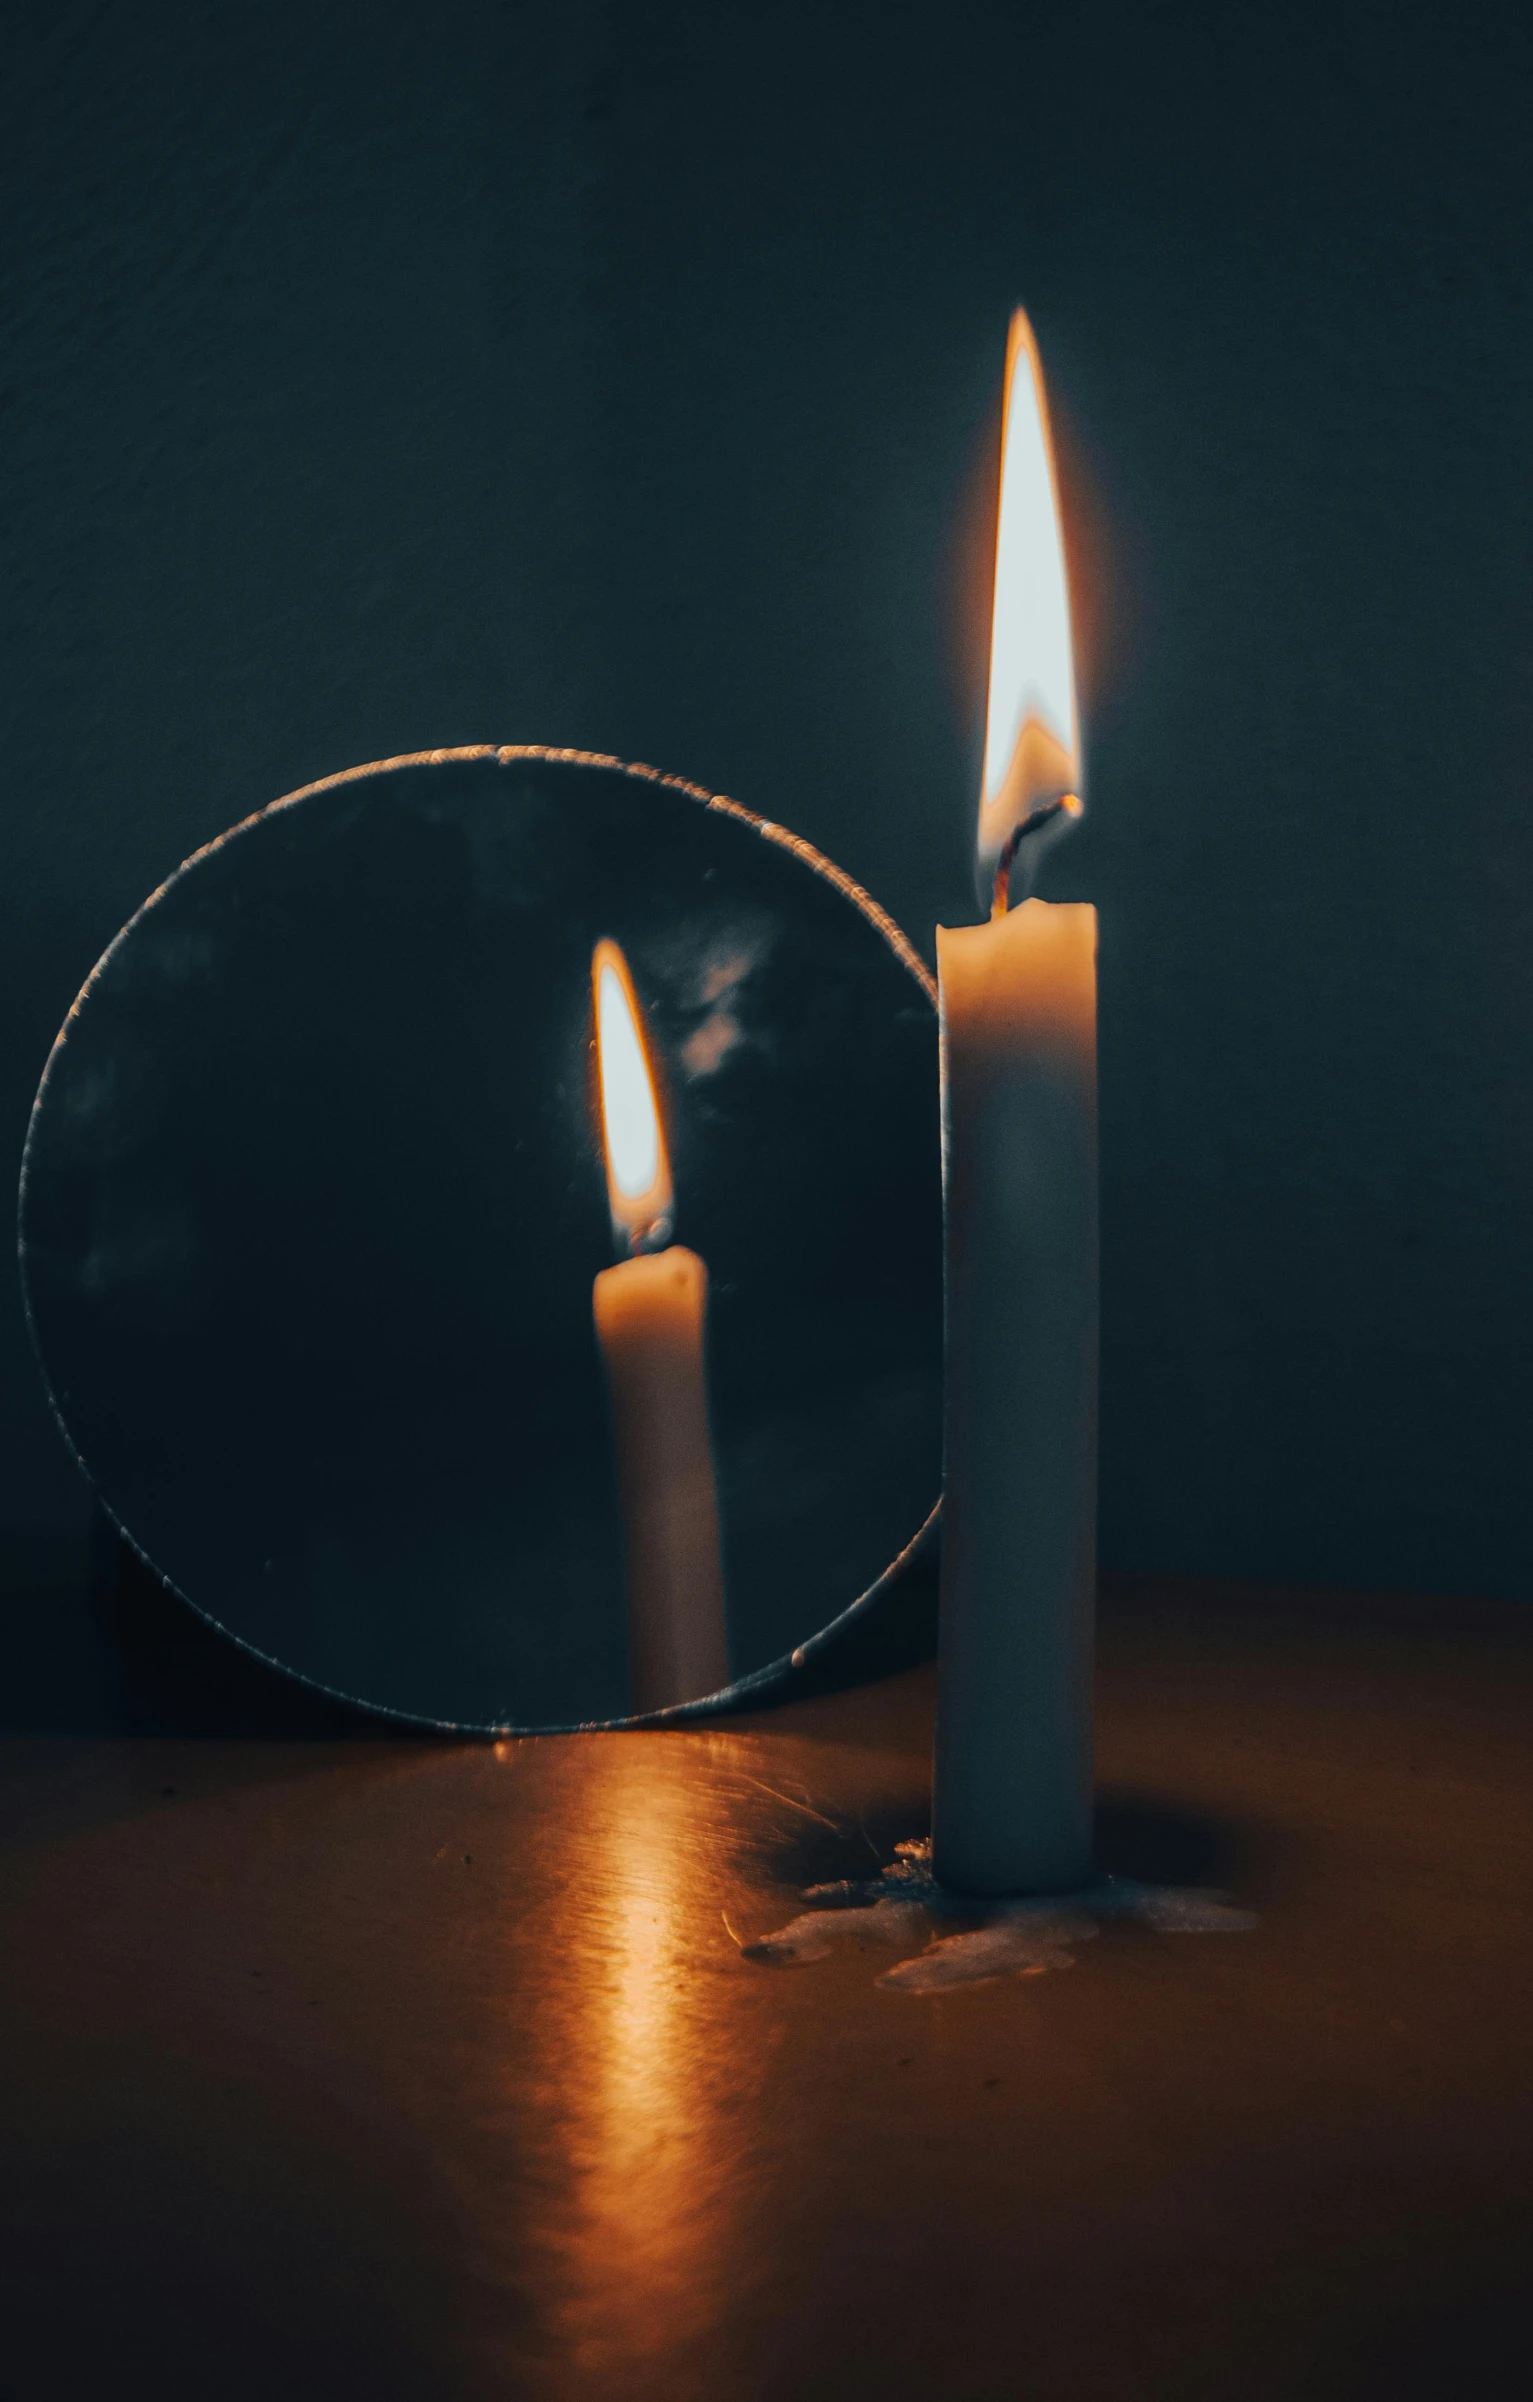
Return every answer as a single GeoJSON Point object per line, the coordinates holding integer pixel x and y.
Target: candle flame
{"type": "Point", "coordinates": [1032, 743]}
{"type": "Point", "coordinates": [633, 1138]}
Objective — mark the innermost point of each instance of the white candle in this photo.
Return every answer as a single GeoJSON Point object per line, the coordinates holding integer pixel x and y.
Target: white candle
{"type": "Point", "coordinates": [650, 1313]}
{"type": "Point", "coordinates": [1013, 1784]}
{"type": "Point", "coordinates": [650, 1319]}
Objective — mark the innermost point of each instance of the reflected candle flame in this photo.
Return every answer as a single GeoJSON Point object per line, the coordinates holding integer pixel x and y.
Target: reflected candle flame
{"type": "Point", "coordinates": [633, 1137]}
{"type": "Point", "coordinates": [1032, 740]}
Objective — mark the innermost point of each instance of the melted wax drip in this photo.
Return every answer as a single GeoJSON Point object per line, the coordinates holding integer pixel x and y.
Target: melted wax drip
{"type": "Point", "coordinates": [1022, 1938]}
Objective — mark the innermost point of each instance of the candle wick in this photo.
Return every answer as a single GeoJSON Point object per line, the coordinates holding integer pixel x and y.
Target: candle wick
{"type": "Point", "coordinates": [1069, 805]}
{"type": "Point", "coordinates": [652, 1236]}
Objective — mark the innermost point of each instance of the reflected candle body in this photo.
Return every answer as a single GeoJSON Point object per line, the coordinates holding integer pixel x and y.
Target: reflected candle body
{"type": "Point", "coordinates": [1013, 1784]}
{"type": "Point", "coordinates": [651, 1313]}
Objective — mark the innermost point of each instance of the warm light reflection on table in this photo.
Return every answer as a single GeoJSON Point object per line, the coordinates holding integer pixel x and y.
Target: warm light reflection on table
{"type": "Point", "coordinates": [434, 2075]}
{"type": "Point", "coordinates": [642, 2065]}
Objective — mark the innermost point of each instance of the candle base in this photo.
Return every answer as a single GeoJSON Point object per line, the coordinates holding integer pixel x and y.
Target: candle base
{"type": "Point", "coordinates": [971, 1857]}
{"type": "Point", "coordinates": [1017, 1935]}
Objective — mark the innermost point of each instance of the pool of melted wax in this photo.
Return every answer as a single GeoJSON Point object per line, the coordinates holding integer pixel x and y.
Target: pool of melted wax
{"type": "Point", "coordinates": [1022, 1937]}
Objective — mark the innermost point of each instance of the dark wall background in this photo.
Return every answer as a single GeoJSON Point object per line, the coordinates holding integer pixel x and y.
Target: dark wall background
{"type": "Point", "coordinates": [625, 376]}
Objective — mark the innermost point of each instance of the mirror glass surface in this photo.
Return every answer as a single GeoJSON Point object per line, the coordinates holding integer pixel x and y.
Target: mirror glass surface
{"type": "Point", "coordinates": [314, 1200]}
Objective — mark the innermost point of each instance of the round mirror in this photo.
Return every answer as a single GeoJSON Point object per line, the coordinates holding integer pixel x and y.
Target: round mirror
{"type": "Point", "coordinates": [319, 1207]}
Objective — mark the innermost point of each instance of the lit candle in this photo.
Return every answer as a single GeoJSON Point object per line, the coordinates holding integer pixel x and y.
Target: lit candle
{"type": "Point", "coordinates": [1013, 1785]}
{"type": "Point", "coordinates": [651, 1313]}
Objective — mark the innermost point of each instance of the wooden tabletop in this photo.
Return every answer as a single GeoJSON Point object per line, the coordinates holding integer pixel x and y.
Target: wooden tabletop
{"type": "Point", "coordinates": [416, 2070]}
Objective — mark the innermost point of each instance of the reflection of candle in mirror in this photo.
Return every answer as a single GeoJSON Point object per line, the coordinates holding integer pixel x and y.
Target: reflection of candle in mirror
{"type": "Point", "coordinates": [651, 1314]}
{"type": "Point", "coordinates": [1013, 1785]}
